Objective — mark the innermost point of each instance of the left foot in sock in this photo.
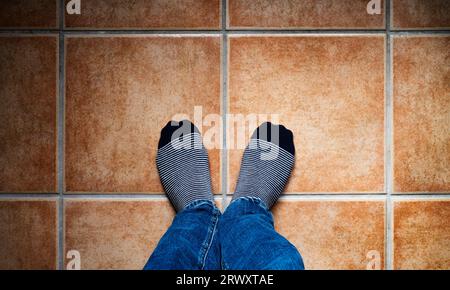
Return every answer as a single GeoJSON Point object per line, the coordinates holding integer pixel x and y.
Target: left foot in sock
{"type": "Point", "coordinates": [266, 164]}
{"type": "Point", "coordinates": [183, 164]}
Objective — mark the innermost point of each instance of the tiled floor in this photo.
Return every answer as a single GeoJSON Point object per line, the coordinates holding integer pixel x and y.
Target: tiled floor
{"type": "Point", "coordinates": [421, 66]}
{"type": "Point", "coordinates": [97, 229]}
{"type": "Point", "coordinates": [83, 97]}
{"type": "Point", "coordinates": [334, 233]}
{"type": "Point", "coordinates": [120, 125]}
{"type": "Point", "coordinates": [28, 231]}
{"type": "Point", "coordinates": [330, 90]}
{"type": "Point", "coordinates": [421, 226]}
{"type": "Point", "coordinates": [29, 77]}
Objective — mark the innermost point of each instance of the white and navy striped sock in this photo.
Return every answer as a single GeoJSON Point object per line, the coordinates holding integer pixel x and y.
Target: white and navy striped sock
{"type": "Point", "coordinates": [183, 164]}
{"type": "Point", "coordinates": [266, 164]}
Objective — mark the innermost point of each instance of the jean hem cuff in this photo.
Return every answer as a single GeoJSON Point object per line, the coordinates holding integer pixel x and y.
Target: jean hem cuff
{"type": "Point", "coordinates": [199, 202]}
{"type": "Point", "coordinates": [258, 201]}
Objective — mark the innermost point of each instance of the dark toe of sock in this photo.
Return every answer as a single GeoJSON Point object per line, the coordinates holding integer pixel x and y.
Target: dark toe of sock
{"type": "Point", "coordinates": [277, 134]}
{"type": "Point", "coordinates": [174, 129]}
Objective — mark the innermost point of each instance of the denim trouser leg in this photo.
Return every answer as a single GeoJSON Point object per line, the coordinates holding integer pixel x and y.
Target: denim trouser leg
{"type": "Point", "coordinates": [191, 241]}
{"type": "Point", "coordinates": [249, 241]}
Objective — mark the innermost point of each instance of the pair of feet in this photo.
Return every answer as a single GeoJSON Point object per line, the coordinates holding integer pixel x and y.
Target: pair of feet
{"type": "Point", "coordinates": [183, 164]}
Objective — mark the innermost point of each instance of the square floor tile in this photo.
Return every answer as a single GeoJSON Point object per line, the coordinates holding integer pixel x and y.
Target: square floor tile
{"type": "Point", "coordinates": [303, 14]}
{"type": "Point", "coordinates": [28, 99]}
{"type": "Point", "coordinates": [115, 234]}
{"type": "Point", "coordinates": [421, 114]}
{"type": "Point", "coordinates": [422, 234]}
{"type": "Point", "coordinates": [120, 92]}
{"type": "Point", "coordinates": [28, 234]}
{"type": "Point", "coordinates": [29, 14]}
{"type": "Point", "coordinates": [332, 234]}
{"type": "Point", "coordinates": [146, 14]}
{"type": "Point", "coordinates": [329, 90]}
{"type": "Point", "coordinates": [420, 14]}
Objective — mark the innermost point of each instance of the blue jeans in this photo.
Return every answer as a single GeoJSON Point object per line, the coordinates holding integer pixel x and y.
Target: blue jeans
{"type": "Point", "coordinates": [243, 238]}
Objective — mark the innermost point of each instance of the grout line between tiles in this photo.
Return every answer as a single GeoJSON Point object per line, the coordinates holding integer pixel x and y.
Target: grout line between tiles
{"type": "Point", "coordinates": [28, 195]}
{"type": "Point", "coordinates": [420, 198]}
{"type": "Point", "coordinates": [61, 109]}
{"type": "Point", "coordinates": [113, 195]}
{"type": "Point", "coordinates": [310, 31]}
{"type": "Point", "coordinates": [96, 199]}
{"type": "Point", "coordinates": [331, 194]}
{"type": "Point", "coordinates": [162, 195]}
{"type": "Point", "coordinates": [331, 197]}
{"type": "Point", "coordinates": [388, 139]}
{"type": "Point", "coordinates": [417, 32]}
{"type": "Point", "coordinates": [224, 100]}
{"type": "Point", "coordinates": [223, 31]}
{"type": "Point", "coordinates": [37, 196]}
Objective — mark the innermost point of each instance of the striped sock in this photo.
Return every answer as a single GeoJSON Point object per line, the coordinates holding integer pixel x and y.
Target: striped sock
{"type": "Point", "coordinates": [266, 164]}
{"type": "Point", "coordinates": [183, 165]}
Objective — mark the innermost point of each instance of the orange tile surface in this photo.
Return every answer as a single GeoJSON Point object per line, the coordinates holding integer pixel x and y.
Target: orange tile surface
{"type": "Point", "coordinates": [28, 230]}
{"type": "Point", "coordinates": [329, 90]}
{"type": "Point", "coordinates": [28, 96]}
{"type": "Point", "coordinates": [147, 14]}
{"type": "Point", "coordinates": [120, 93]}
{"type": "Point", "coordinates": [421, 114]}
{"type": "Point", "coordinates": [421, 14]}
{"type": "Point", "coordinates": [422, 234]}
{"type": "Point", "coordinates": [334, 234]}
{"type": "Point", "coordinates": [29, 14]}
{"type": "Point", "coordinates": [303, 14]}
{"type": "Point", "coordinates": [115, 234]}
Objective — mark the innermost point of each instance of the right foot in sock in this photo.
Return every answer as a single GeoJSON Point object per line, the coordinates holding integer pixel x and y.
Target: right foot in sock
{"type": "Point", "coordinates": [266, 164]}
{"type": "Point", "coordinates": [182, 163]}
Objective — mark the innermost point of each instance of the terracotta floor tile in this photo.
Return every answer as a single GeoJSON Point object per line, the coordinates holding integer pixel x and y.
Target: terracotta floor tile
{"type": "Point", "coordinates": [422, 114]}
{"type": "Point", "coordinates": [28, 232]}
{"type": "Point", "coordinates": [422, 234]}
{"type": "Point", "coordinates": [147, 14]}
{"type": "Point", "coordinates": [120, 93]}
{"type": "Point", "coordinates": [29, 13]}
{"type": "Point", "coordinates": [333, 234]}
{"type": "Point", "coordinates": [115, 234]}
{"type": "Point", "coordinates": [303, 14]}
{"type": "Point", "coordinates": [329, 90]}
{"type": "Point", "coordinates": [420, 14]}
{"type": "Point", "coordinates": [28, 96]}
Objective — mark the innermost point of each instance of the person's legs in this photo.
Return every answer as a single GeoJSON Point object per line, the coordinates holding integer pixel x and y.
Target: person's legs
{"type": "Point", "coordinates": [183, 166]}
{"type": "Point", "coordinates": [246, 231]}
{"type": "Point", "coordinates": [191, 241]}
{"type": "Point", "coordinates": [249, 241]}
